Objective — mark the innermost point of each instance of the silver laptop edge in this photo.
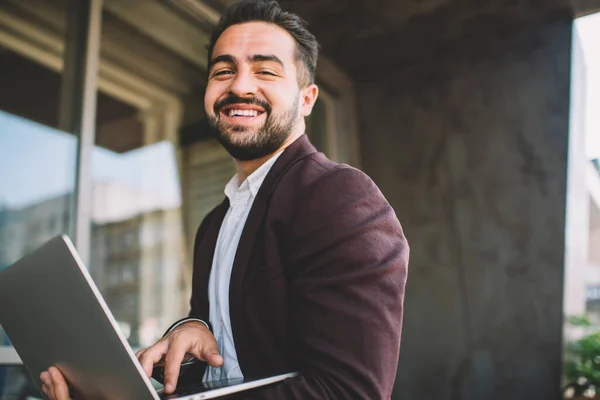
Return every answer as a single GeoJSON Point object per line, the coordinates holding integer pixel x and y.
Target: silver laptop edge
{"type": "Point", "coordinates": [237, 388]}
{"type": "Point", "coordinates": [109, 314]}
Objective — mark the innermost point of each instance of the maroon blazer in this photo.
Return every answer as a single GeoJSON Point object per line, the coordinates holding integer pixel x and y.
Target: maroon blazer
{"type": "Point", "coordinates": [318, 281]}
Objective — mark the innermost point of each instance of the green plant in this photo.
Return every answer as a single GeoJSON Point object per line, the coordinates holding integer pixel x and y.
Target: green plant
{"type": "Point", "coordinates": [579, 320]}
{"type": "Point", "coordinates": [582, 361]}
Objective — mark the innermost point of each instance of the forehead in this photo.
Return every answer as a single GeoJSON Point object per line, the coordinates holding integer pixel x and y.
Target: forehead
{"type": "Point", "coordinates": [250, 38]}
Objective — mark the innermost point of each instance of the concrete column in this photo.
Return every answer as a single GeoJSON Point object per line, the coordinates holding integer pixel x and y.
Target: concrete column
{"type": "Point", "coordinates": [470, 145]}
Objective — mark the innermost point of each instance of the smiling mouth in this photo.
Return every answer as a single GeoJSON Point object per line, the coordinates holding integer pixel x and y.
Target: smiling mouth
{"type": "Point", "coordinates": [241, 112]}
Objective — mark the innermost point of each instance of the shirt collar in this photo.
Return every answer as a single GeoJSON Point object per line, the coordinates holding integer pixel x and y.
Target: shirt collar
{"type": "Point", "coordinates": [253, 182]}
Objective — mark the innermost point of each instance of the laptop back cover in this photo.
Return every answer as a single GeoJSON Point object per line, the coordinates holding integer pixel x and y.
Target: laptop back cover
{"type": "Point", "coordinates": [53, 314]}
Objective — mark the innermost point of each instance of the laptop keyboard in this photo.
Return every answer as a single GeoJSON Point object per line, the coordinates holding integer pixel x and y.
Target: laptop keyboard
{"type": "Point", "coordinates": [200, 388]}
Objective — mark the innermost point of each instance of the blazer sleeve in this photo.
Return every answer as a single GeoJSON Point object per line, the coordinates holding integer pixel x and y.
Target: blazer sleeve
{"type": "Point", "coordinates": [347, 259]}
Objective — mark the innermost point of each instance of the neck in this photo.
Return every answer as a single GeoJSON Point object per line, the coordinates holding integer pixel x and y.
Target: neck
{"type": "Point", "coordinates": [246, 168]}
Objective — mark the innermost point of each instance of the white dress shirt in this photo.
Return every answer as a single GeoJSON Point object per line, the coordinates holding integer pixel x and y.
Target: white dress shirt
{"type": "Point", "coordinates": [241, 197]}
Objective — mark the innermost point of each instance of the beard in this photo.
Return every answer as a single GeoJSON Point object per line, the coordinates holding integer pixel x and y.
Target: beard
{"type": "Point", "coordinates": [243, 144]}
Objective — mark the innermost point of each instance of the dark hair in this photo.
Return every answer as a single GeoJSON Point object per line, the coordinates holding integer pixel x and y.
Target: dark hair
{"type": "Point", "coordinates": [307, 47]}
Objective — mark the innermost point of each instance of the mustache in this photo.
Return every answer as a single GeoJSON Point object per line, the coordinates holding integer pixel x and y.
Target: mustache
{"type": "Point", "coordinates": [233, 99]}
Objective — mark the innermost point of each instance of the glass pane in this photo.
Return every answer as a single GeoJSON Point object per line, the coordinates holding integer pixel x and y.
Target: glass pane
{"type": "Point", "coordinates": [37, 159]}
{"type": "Point", "coordinates": [153, 178]}
{"type": "Point", "coordinates": [137, 237]}
{"type": "Point", "coordinates": [35, 196]}
{"type": "Point", "coordinates": [16, 384]}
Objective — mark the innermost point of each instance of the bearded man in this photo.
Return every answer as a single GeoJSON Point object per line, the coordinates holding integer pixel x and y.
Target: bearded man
{"type": "Point", "coordinates": [303, 265]}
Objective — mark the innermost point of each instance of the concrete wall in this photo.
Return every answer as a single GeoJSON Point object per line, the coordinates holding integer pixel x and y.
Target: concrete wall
{"type": "Point", "coordinates": [470, 145]}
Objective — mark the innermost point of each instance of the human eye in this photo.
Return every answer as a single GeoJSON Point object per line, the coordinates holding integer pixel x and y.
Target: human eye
{"type": "Point", "coordinates": [267, 73]}
{"type": "Point", "coordinates": [222, 73]}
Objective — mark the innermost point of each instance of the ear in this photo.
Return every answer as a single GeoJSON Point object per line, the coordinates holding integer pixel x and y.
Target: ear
{"type": "Point", "coordinates": [308, 97]}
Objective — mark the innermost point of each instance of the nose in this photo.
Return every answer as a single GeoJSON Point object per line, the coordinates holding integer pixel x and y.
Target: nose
{"type": "Point", "coordinates": [243, 85]}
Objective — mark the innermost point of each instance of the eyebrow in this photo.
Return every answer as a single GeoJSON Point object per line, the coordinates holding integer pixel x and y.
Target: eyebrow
{"type": "Point", "coordinates": [265, 57]}
{"type": "Point", "coordinates": [224, 58]}
{"type": "Point", "coordinates": [228, 58]}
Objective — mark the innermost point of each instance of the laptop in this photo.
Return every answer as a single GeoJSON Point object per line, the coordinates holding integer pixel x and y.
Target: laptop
{"type": "Point", "coordinates": [54, 314]}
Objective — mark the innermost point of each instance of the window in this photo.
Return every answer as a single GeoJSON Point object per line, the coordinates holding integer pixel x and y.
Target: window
{"type": "Point", "coordinates": [151, 79]}
{"type": "Point", "coordinates": [36, 157]}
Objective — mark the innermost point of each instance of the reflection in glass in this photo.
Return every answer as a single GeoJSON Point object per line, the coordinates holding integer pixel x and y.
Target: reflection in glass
{"type": "Point", "coordinates": [137, 238]}
{"type": "Point", "coordinates": [36, 185]}
{"type": "Point", "coordinates": [37, 161]}
{"type": "Point", "coordinates": [15, 384]}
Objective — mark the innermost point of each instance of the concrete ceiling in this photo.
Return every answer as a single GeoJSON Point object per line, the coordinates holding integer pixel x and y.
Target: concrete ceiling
{"type": "Point", "coordinates": [586, 7]}
{"type": "Point", "coordinates": [370, 36]}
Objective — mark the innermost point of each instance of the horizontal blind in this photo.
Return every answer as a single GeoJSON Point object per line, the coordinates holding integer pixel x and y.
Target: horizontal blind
{"type": "Point", "coordinates": [207, 169]}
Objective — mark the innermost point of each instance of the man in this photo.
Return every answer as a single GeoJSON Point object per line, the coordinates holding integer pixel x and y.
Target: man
{"type": "Point", "coordinates": [303, 266]}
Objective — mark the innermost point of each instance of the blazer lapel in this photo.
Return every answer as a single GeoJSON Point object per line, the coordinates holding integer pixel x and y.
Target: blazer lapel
{"type": "Point", "coordinates": [297, 150]}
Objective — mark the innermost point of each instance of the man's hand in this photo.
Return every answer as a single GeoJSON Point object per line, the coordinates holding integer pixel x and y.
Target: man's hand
{"type": "Point", "coordinates": [192, 338]}
{"type": "Point", "coordinates": [54, 385]}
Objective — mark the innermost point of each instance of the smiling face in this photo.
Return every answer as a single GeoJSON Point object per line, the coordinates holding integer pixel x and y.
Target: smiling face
{"type": "Point", "coordinates": [253, 99]}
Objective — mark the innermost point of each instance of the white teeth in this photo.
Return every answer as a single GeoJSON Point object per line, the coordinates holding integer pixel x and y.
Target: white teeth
{"type": "Point", "coordinates": [243, 113]}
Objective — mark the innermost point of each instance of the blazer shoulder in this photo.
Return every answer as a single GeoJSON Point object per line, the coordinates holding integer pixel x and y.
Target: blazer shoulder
{"type": "Point", "coordinates": [316, 168]}
{"type": "Point", "coordinates": [315, 182]}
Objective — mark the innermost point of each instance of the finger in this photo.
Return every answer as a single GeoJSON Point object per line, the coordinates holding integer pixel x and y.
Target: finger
{"type": "Point", "coordinates": [61, 389]}
{"type": "Point", "coordinates": [173, 360]}
{"type": "Point", "coordinates": [50, 387]}
{"type": "Point", "coordinates": [153, 355]}
{"type": "Point", "coordinates": [210, 353]}
{"type": "Point", "coordinates": [45, 377]}
{"type": "Point", "coordinates": [139, 353]}
{"type": "Point", "coordinates": [207, 350]}
{"type": "Point", "coordinates": [47, 384]}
